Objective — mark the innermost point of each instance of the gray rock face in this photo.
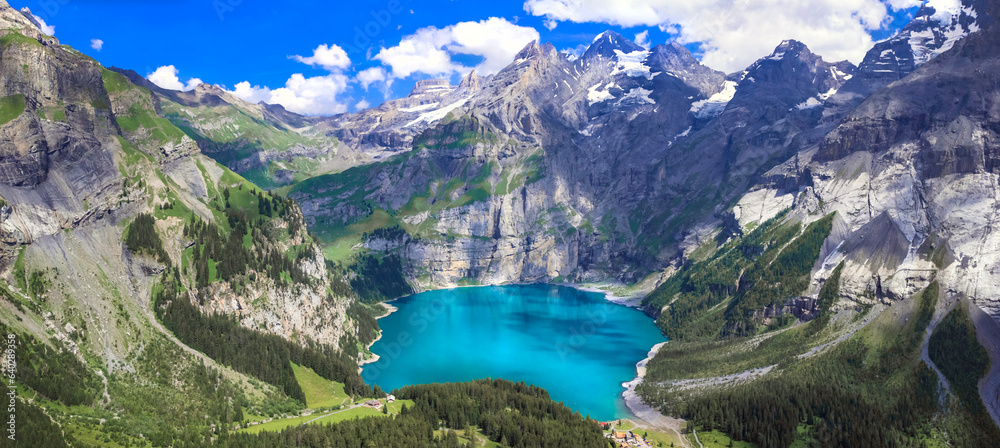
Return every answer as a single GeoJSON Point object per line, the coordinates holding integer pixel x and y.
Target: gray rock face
{"type": "Point", "coordinates": [915, 173]}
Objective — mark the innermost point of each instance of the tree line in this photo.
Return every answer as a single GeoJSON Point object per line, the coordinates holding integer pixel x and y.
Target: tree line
{"type": "Point", "coordinates": [232, 257]}
{"type": "Point", "coordinates": [377, 279]}
{"type": "Point", "coordinates": [141, 238]}
{"type": "Point", "coordinates": [512, 414]}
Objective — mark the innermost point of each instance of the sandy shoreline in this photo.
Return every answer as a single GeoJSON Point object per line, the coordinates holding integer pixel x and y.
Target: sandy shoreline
{"type": "Point", "coordinates": [389, 309]}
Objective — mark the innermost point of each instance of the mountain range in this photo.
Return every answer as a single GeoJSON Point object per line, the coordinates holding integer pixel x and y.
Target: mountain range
{"type": "Point", "coordinates": [132, 215]}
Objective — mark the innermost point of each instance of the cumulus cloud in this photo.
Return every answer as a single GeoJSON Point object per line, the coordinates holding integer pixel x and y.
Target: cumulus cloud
{"type": "Point", "coordinates": [735, 33]}
{"type": "Point", "coordinates": [44, 27]}
{"type": "Point", "coordinates": [642, 39]}
{"type": "Point", "coordinates": [308, 96]}
{"type": "Point", "coordinates": [372, 75]}
{"type": "Point", "coordinates": [362, 105]}
{"type": "Point", "coordinates": [430, 50]}
{"type": "Point", "coordinates": [166, 78]}
{"type": "Point", "coordinates": [330, 57]}
{"type": "Point", "coordinates": [96, 44]}
{"type": "Point", "coordinates": [317, 95]}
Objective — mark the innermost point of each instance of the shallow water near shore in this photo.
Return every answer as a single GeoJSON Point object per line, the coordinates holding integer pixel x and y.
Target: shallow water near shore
{"type": "Point", "coordinates": [575, 344]}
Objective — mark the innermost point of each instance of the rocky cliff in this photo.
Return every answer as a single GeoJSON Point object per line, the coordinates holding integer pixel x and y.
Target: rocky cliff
{"type": "Point", "coordinates": [913, 171]}
{"type": "Point", "coordinates": [83, 152]}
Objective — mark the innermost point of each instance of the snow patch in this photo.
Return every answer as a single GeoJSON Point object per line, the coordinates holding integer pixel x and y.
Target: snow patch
{"type": "Point", "coordinates": [596, 95]}
{"type": "Point", "coordinates": [811, 103]}
{"type": "Point", "coordinates": [637, 95]}
{"type": "Point", "coordinates": [632, 64]}
{"type": "Point", "coordinates": [437, 115]}
{"type": "Point", "coordinates": [419, 108]}
{"type": "Point", "coordinates": [715, 104]}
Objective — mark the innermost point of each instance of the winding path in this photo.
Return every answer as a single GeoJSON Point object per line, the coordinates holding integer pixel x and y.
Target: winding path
{"type": "Point", "coordinates": [943, 388]}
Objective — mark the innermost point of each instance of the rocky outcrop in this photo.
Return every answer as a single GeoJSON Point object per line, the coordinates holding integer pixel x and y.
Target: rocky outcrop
{"type": "Point", "coordinates": [803, 308]}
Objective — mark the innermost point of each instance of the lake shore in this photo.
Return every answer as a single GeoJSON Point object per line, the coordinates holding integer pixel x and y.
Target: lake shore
{"type": "Point", "coordinates": [389, 309]}
{"type": "Point", "coordinates": [648, 415]}
{"type": "Point", "coordinates": [631, 300]}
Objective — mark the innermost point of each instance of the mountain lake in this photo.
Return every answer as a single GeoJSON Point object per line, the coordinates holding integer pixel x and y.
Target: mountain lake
{"type": "Point", "coordinates": [575, 344]}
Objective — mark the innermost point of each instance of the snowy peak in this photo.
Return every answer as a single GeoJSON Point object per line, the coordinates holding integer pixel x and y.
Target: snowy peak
{"type": "Point", "coordinates": [935, 29]}
{"type": "Point", "coordinates": [938, 26]}
{"type": "Point", "coordinates": [791, 49]}
{"type": "Point", "coordinates": [791, 78]}
{"type": "Point", "coordinates": [608, 43]}
{"type": "Point", "coordinates": [671, 56]}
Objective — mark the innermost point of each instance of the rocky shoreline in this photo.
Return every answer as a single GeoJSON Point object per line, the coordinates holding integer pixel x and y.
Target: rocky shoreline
{"type": "Point", "coordinates": [632, 399]}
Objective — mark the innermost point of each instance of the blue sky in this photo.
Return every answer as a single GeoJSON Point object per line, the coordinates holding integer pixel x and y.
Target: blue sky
{"type": "Point", "coordinates": [228, 42]}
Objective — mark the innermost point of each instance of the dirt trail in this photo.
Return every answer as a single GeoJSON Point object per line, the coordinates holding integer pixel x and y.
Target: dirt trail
{"type": "Point", "coordinates": [334, 412]}
{"type": "Point", "coordinates": [988, 332]}
{"type": "Point", "coordinates": [696, 438]}
{"type": "Point", "coordinates": [943, 388]}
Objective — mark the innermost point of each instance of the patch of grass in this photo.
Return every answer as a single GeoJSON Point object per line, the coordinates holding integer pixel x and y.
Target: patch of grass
{"type": "Point", "coordinates": [161, 130]}
{"type": "Point", "coordinates": [318, 418]}
{"type": "Point", "coordinates": [320, 392]}
{"type": "Point", "coordinates": [17, 38]}
{"type": "Point", "coordinates": [19, 271]}
{"type": "Point", "coordinates": [115, 82]}
{"type": "Point", "coordinates": [716, 439]}
{"type": "Point", "coordinates": [11, 107]}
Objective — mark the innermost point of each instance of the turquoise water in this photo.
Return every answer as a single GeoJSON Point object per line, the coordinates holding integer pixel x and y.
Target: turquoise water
{"type": "Point", "coordinates": [575, 344]}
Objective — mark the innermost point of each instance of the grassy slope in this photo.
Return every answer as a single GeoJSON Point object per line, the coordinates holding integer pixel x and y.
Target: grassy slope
{"type": "Point", "coordinates": [232, 134]}
{"type": "Point", "coordinates": [320, 392]}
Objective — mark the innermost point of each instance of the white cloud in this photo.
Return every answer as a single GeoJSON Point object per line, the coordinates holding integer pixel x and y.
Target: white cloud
{"type": "Point", "coordinates": [331, 58]}
{"type": "Point", "coordinates": [430, 50]}
{"type": "Point", "coordinates": [307, 96]}
{"type": "Point", "coordinates": [370, 76]}
{"type": "Point", "coordinates": [735, 33]}
{"type": "Point", "coordinates": [362, 105]}
{"type": "Point", "coordinates": [96, 44]}
{"type": "Point", "coordinates": [944, 10]}
{"type": "Point", "coordinates": [904, 4]}
{"type": "Point", "coordinates": [166, 78]}
{"type": "Point", "coordinates": [44, 27]}
{"type": "Point", "coordinates": [642, 39]}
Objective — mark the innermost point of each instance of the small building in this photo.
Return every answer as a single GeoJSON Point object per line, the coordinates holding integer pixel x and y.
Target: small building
{"type": "Point", "coordinates": [374, 404]}
{"type": "Point", "coordinates": [390, 398]}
